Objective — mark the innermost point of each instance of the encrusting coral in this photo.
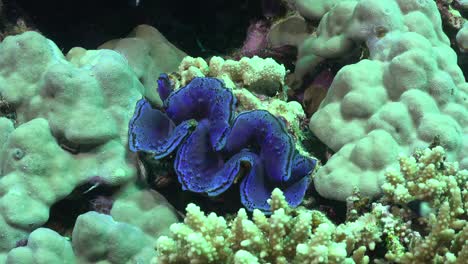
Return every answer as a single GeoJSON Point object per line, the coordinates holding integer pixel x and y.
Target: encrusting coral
{"type": "Point", "coordinates": [307, 236]}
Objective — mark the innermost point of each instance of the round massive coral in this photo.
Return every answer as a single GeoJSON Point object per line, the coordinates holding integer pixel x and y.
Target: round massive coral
{"type": "Point", "coordinates": [66, 127]}
{"type": "Point", "coordinates": [408, 91]}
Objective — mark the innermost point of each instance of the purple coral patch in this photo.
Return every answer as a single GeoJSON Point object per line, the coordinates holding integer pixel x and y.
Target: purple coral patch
{"type": "Point", "coordinates": [204, 98]}
{"type": "Point", "coordinates": [151, 131]}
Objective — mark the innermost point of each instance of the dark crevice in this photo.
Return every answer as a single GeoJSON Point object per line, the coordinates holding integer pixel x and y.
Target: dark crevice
{"type": "Point", "coordinates": [6, 109]}
{"type": "Point", "coordinates": [94, 195]}
{"type": "Point", "coordinates": [73, 147]}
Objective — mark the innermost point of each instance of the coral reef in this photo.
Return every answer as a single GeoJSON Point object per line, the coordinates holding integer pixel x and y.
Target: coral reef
{"type": "Point", "coordinates": [313, 9]}
{"type": "Point", "coordinates": [287, 236]}
{"type": "Point", "coordinates": [275, 37]}
{"type": "Point", "coordinates": [307, 236]}
{"type": "Point", "coordinates": [96, 238]}
{"type": "Point", "coordinates": [66, 127]}
{"type": "Point", "coordinates": [44, 246]}
{"type": "Point", "coordinates": [211, 239]}
{"type": "Point", "coordinates": [412, 91]}
{"type": "Point", "coordinates": [289, 31]}
{"type": "Point", "coordinates": [36, 173]}
{"type": "Point", "coordinates": [256, 38]}
{"type": "Point", "coordinates": [149, 54]}
{"type": "Point", "coordinates": [317, 90]}
{"type": "Point", "coordinates": [94, 141]}
{"type": "Point", "coordinates": [440, 191]}
{"type": "Point", "coordinates": [450, 14]}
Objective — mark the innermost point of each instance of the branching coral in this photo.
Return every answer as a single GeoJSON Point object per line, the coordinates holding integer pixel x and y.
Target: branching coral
{"type": "Point", "coordinates": [388, 233]}
{"type": "Point", "coordinates": [207, 239]}
{"type": "Point", "coordinates": [287, 236]}
{"type": "Point", "coordinates": [426, 177]}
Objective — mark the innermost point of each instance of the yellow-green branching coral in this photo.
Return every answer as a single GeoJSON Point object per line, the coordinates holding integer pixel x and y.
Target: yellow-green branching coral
{"type": "Point", "coordinates": [287, 236]}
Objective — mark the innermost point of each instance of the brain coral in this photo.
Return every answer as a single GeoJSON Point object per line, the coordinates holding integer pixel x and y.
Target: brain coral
{"type": "Point", "coordinates": [406, 93]}
{"type": "Point", "coordinates": [209, 159]}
